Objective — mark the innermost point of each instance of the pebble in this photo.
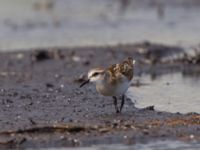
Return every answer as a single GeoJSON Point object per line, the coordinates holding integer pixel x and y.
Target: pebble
{"type": "Point", "coordinates": [191, 136]}
{"type": "Point", "coordinates": [20, 56]}
{"type": "Point", "coordinates": [57, 76]}
{"type": "Point", "coordinates": [76, 59]}
{"type": "Point", "coordinates": [62, 86]}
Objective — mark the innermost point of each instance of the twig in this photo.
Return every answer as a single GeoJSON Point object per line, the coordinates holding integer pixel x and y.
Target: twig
{"type": "Point", "coordinates": [54, 128]}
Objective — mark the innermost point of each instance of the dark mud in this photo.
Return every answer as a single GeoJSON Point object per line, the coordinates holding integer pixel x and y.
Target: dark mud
{"type": "Point", "coordinates": [41, 104]}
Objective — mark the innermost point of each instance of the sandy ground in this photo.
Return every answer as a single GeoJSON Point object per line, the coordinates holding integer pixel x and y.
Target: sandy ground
{"type": "Point", "coordinates": [41, 104]}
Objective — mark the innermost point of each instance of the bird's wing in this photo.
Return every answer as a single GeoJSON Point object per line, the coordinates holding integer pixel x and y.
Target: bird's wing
{"type": "Point", "coordinates": [119, 71]}
{"type": "Point", "coordinates": [126, 68]}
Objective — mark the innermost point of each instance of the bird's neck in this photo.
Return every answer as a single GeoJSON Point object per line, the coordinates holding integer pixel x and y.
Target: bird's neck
{"type": "Point", "coordinates": [103, 80]}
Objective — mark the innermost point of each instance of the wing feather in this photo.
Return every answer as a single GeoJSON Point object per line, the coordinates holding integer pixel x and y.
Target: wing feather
{"type": "Point", "coordinates": [119, 71]}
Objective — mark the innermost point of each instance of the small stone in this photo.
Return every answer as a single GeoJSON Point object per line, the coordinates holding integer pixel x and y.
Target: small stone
{"type": "Point", "coordinates": [47, 95]}
{"type": "Point", "coordinates": [49, 85]}
{"type": "Point", "coordinates": [2, 90]}
{"type": "Point", "coordinates": [86, 62]}
{"type": "Point", "coordinates": [145, 131]}
{"type": "Point", "coordinates": [75, 140]}
{"type": "Point", "coordinates": [76, 59]}
{"type": "Point", "coordinates": [50, 89]}
{"type": "Point", "coordinates": [62, 86]}
{"type": "Point", "coordinates": [149, 108]}
{"type": "Point", "coordinates": [125, 137]}
{"type": "Point", "coordinates": [191, 136]}
{"type": "Point", "coordinates": [103, 130]}
{"type": "Point", "coordinates": [41, 55]}
{"type": "Point", "coordinates": [57, 76]}
{"type": "Point", "coordinates": [4, 74]}
{"type": "Point", "coordinates": [20, 56]}
{"type": "Point", "coordinates": [70, 120]}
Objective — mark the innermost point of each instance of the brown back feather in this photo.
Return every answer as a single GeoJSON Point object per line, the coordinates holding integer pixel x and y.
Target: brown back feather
{"type": "Point", "coordinates": [117, 70]}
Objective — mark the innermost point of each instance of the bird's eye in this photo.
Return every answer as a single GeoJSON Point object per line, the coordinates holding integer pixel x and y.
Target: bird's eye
{"type": "Point", "coordinates": [95, 74]}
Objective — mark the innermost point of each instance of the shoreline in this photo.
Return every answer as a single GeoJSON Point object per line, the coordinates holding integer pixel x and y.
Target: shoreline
{"type": "Point", "coordinates": [43, 106]}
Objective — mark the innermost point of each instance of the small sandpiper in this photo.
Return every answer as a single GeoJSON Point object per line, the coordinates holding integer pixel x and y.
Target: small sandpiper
{"type": "Point", "coordinates": [113, 81]}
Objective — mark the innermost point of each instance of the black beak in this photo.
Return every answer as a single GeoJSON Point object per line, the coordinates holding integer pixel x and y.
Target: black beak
{"type": "Point", "coordinates": [85, 82]}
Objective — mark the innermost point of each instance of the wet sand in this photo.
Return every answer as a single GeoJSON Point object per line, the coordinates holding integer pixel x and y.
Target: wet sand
{"type": "Point", "coordinates": [43, 106]}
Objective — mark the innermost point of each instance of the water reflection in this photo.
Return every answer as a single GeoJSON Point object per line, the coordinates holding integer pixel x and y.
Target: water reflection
{"type": "Point", "coordinates": [170, 92]}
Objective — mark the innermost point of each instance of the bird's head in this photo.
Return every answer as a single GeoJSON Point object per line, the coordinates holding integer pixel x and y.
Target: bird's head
{"type": "Point", "coordinates": [95, 75]}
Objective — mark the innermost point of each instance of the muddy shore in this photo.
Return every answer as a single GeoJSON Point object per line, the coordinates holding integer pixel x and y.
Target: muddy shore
{"type": "Point", "coordinates": [43, 106]}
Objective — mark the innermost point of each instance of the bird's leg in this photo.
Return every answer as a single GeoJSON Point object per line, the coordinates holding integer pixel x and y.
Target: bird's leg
{"type": "Point", "coordinates": [122, 103]}
{"type": "Point", "coordinates": [115, 103]}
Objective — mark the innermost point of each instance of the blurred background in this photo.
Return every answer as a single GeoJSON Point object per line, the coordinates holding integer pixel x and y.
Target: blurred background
{"type": "Point", "coordinates": [26, 24]}
{"type": "Point", "coordinates": [167, 76]}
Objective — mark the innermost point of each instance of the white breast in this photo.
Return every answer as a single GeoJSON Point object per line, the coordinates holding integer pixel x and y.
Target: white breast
{"type": "Point", "coordinates": [122, 88]}
{"type": "Point", "coordinates": [113, 90]}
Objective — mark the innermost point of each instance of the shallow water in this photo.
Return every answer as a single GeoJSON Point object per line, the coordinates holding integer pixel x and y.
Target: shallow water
{"type": "Point", "coordinates": [44, 23]}
{"type": "Point", "coordinates": [159, 145]}
{"type": "Point", "coordinates": [170, 92]}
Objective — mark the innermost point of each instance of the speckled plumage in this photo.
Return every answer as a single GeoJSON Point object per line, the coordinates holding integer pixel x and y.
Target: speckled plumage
{"type": "Point", "coordinates": [113, 81]}
{"type": "Point", "coordinates": [123, 69]}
